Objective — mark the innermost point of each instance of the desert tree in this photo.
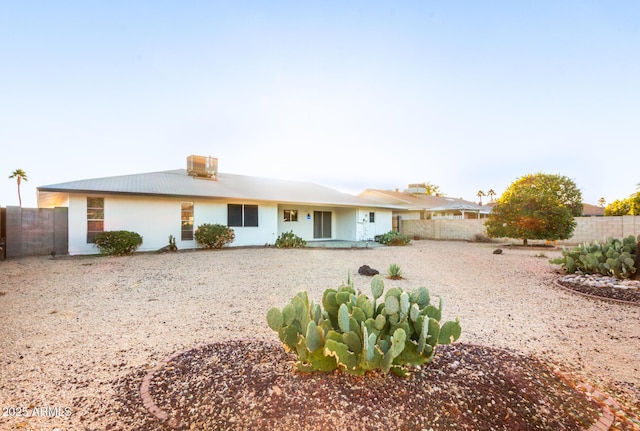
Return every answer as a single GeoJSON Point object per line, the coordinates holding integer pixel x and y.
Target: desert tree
{"type": "Point", "coordinates": [536, 206]}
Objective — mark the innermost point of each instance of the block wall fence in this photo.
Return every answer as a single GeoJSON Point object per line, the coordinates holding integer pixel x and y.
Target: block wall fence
{"type": "Point", "coordinates": [589, 229]}
{"type": "Point", "coordinates": [34, 231]}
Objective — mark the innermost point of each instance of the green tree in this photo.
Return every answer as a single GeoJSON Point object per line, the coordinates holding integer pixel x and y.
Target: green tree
{"type": "Point", "coordinates": [628, 206]}
{"type": "Point", "coordinates": [432, 190]}
{"type": "Point", "coordinates": [20, 176]}
{"type": "Point", "coordinates": [536, 206]}
{"type": "Point", "coordinates": [480, 194]}
{"type": "Point", "coordinates": [492, 194]}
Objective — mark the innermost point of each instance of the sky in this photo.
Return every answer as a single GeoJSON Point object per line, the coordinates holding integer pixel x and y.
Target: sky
{"type": "Point", "coordinates": [466, 95]}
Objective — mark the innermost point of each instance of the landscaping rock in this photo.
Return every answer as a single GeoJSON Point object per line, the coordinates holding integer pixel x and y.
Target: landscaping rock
{"type": "Point", "coordinates": [367, 270]}
{"type": "Point", "coordinates": [497, 251]}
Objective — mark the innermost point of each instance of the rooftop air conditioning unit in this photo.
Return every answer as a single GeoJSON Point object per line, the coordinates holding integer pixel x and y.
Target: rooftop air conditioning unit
{"type": "Point", "coordinates": [202, 167]}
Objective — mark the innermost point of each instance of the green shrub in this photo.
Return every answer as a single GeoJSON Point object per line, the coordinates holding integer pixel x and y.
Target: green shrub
{"type": "Point", "coordinates": [213, 235]}
{"type": "Point", "coordinates": [394, 238]}
{"type": "Point", "coordinates": [290, 240]}
{"type": "Point", "coordinates": [613, 257]}
{"type": "Point", "coordinates": [355, 334]}
{"type": "Point", "coordinates": [117, 242]}
{"type": "Point", "coordinates": [395, 273]}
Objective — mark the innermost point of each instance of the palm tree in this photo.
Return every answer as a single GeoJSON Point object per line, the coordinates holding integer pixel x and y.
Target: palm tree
{"type": "Point", "coordinates": [491, 193]}
{"type": "Point", "coordinates": [601, 202]}
{"type": "Point", "coordinates": [20, 176]}
{"type": "Point", "coordinates": [480, 194]}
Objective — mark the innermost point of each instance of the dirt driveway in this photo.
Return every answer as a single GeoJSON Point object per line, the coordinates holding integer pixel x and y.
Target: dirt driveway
{"type": "Point", "coordinates": [71, 328]}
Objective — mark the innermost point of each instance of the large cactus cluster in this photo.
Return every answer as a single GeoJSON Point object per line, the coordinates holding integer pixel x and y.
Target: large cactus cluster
{"type": "Point", "coordinates": [353, 333]}
{"type": "Point", "coordinates": [613, 257]}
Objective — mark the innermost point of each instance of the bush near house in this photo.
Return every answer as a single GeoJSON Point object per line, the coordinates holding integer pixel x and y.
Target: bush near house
{"type": "Point", "coordinates": [617, 257]}
{"type": "Point", "coordinates": [290, 240]}
{"type": "Point", "coordinates": [117, 242]}
{"type": "Point", "coordinates": [394, 238]}
{"type": "Point", "coordinates": [355, 334]}
{"type": "Point", "coordinates": [213, 235]}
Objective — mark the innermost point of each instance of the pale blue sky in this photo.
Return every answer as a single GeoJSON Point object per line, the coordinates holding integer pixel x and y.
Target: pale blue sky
{"type": "Point", "coordinates": [467, 95]}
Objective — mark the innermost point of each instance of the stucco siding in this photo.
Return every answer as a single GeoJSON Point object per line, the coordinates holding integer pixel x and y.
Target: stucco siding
{"type": "Point", "coordinates": [156, 218]}
{"type": "Point", "coordinates": [346, 224]}
{"type": "Point", "coordinates": [368, 230]}
{"type": "Point", "coordinates": [303, 227]}
{"type": "Point", "coordinates": [264, 233]}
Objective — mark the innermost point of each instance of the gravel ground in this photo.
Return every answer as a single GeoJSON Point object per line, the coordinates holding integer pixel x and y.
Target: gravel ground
{"type": "Point", "coordinates": [74, 329]}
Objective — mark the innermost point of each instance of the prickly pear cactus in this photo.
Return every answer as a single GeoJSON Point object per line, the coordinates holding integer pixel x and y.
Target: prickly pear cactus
{"type": "Point", "coordinates": [616, 257]}
{"type": "Point", "coordinates": [355, 334]}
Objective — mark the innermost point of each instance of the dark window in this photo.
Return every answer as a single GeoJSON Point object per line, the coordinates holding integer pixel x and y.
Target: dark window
{"type": "Point", "coordinates": [251, 215]}
{"type": "Point", "coordinates": [234, 215]}
{"type": "Point", "coordinates": [186, 228]}
{"type": "Point", "coordinates": [95, 218]}
{"type": "Point", "coordinates": [239, 215]}
{"type": "Point", "coordinates": [372, 217]}
{"type": "Point", "coordinates": [290, 215]}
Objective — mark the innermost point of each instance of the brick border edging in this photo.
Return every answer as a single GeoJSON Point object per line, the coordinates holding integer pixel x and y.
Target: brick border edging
{"type": "Point", "coordinates": [595, 297]}
{"type": "Point", "coordinates": [603, 424]}
{"type": "Point", "coordinates": [606, 420]}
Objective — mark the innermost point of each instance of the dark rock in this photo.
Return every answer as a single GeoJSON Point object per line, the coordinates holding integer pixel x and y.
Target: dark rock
{"type": "Point", "coordinates": [367, 270]}
{"type": "Point", "coordinates": [497, 251]}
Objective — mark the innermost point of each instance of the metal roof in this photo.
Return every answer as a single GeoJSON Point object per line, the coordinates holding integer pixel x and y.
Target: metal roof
{"type": "Point", "coordinates": [413, 202]}
{"type": "Point", "coordinates": [227, 186]}
{"type": "Point", "coordinates": [459, 205]}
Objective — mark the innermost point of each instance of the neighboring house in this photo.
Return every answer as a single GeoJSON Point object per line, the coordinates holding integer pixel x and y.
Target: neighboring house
{"type": "Point", "coordinates": [589, 210]}
{"type": "Point", "coordinates": [176, 202]}
{"type": "Point", "coordinates": [419, 206]}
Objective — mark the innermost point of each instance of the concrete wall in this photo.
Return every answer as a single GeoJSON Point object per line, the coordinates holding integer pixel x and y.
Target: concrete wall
{"type": "Point", "coordinates": [36, 231]}
{"type": "Point", "coordinates": [442, 229]}
{"type": "Point", "coordinates": [589, 229]}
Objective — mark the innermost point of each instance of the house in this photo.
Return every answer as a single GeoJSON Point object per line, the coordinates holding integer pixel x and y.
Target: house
{"type": "Point", "coordinates": [176, 202]}
{"type": "Point", "coordinates": [414, 204]}
{"type": "Point", "coordinates": [589, 210]}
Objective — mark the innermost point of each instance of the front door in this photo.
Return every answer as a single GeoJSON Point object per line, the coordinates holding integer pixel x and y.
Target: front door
{"type": "Point", "coordinates": [322, 224]}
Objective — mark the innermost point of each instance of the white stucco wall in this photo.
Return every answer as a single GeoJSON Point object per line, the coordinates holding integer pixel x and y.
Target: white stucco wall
{"type": "Point", "coordinates": [303, 227]}
{"type": "Point", "coordinates": [348, 224]}
{"type": "Point", "coordinates": [367, 231]}
{"type": "Point", "coordinates": [157, 218]}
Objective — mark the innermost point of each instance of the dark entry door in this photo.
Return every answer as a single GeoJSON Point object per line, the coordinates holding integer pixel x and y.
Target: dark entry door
{"type": "Point", "coordinates": [322, 224]}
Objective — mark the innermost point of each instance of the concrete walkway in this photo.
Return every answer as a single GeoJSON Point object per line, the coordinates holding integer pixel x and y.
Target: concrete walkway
{"type": "Point", "coordinates": [336, 243]}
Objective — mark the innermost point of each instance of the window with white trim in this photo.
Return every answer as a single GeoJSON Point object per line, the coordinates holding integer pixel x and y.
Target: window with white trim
{"type": "Point", "coordinates": [290, 215]}
{"type": "Point", "coordinates": [186, 224]}
{"type": "Point", "coordinates": [95, 218]}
